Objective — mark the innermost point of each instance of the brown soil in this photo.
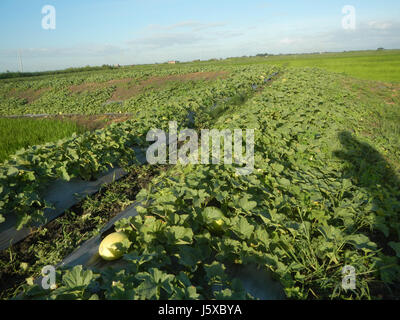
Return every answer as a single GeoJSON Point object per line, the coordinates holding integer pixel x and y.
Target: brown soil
{"type": "Point", "coordinates": [93, 122]}
{"type": "Point", "coordinates": [98, 121]}
{"type": "Point", "coordinates": [30, 95]}
{"type": "Point", "coordinates": [91, 86]}
{"type": "Point", "coordinates": [128, 87]}
{"type": "Point", "coordinates": [128, 91]}
{"type": "Point", "coordinates": [125, 88]}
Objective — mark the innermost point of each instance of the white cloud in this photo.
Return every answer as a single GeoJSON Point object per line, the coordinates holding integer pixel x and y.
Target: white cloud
{"type": "Point", "coordinates": [182, 34]}
{"type": "Point", "coordinates": [289, 41]}
{"type": "Point", "coordinates": [379, 25]}
{"type": "Point", "coordinates": [186, 25]}
{"type": "Point", "coordinates": [163, 40]}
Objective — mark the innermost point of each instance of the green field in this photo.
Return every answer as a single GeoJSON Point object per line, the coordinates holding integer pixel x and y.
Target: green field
{"type": "Point", "coordinates": [369, 65]}
{"type": "Point", "coordinates": [324, 192]}
{"type": "Point", "coordinates": [22, 133]}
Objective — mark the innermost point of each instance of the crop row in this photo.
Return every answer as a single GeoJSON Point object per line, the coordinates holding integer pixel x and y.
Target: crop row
{"type": "Point", "coordinates": [321, 197]}
{"type": "Point", "coordinates": [29, 172]}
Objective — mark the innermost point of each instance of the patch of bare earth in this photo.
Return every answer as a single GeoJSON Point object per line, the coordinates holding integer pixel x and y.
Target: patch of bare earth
{"type": "Point", "coordinates": [126, 92]}
{"type": "Point", "coordinates": [29, 95]}
{"type": "Point", "coordinates": [93, 122]}
{"type": "Point", "coordinates": [92, 86]}
{"type": "Point", "coordinates": [129, 87]}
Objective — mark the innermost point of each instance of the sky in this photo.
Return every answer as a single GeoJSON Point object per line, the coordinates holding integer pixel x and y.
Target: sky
{"type": "Point", "coordinates": [126, 32]}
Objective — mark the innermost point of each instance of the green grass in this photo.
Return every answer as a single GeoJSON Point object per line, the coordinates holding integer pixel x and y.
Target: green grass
{"type": "Point", "coordinates": [21, 133]}
{"type": "Point", "coordinates": [382, 66]}
{"type": "Point", "coordinates": [368, 65]}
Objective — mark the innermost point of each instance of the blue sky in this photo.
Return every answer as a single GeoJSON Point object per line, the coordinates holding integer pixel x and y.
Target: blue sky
{"type": "Point", "coordinates": [95, 32]}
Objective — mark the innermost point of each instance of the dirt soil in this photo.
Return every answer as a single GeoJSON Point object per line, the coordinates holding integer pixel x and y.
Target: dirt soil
{"type": "Point", "coordinates": [92, 86]}
{"type": "Point", "coordinates": [128, 87]}
{"type": "Point", "coordinates": [30, 95]}
{"type": "Point", "coordinates": [94, 122]}
{"type": "Point", "coordinates": [124, 88]}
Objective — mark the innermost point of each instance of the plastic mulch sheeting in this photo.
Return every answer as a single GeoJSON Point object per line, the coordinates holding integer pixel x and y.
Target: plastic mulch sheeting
{"type": "Point", "coordinates": [63, 195]}
{"type": "Point", "coordinates": [259, 283]}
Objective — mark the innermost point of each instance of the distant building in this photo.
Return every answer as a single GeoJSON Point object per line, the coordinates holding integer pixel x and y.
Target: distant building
{"type": "Point", "coordinates": [171, 62]}
{"type": "Point", "coordinates": [117, 66]}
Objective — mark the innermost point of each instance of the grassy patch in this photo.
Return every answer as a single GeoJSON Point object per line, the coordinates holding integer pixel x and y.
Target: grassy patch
{"type": "Point", "coordinates": [368, 65]}
{"type": "Point", "coordinates": [21, 133]}
{"type": "Point", "coordinates": [382, 102]}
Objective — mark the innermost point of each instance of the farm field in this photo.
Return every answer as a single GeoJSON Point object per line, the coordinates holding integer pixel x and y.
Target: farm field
{"type": "Point", "coordinates": [369, 65]}
{"type": "Point", "coordinates": [22, 133]}
{"type": "Point", "coordinates": [324, 192]}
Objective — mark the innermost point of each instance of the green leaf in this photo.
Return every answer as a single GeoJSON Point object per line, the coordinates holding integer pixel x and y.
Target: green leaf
{"type": "Point", "coordinates": [12, 171]}
{"type": "Point", "coordinates": [278, 168]}
{"type": "Point", "coordinates": [262, 236]}
{"type": "Point", "coordinates": [225, 294]}
{"type": "Point", "coordinates": [215, 271]}
{"type": "Point", "coordinates": [212, 213]}
{"type": "Point", "coordinates": [247, 205]}
{"type": "Point", "coordinates": [192, 293]}
{"type": "Point", "coordinates": [77, 277]}
{"type": "Point", "coordinates": [381, 225]}
{"type": "Point", "coordinates": [180, 235]}
{"type": "Point", "coordinates": [283, 181]}
{"type": "Point", "coordinates": [184, 279]}
{"type": "Point", "coordinates": [73, 154]}
{"type": "Point", "coordinates": [141, 210]}
{"type": "Point", "coordinates": [64, 174]}
{"type": "Point", "coordinates": [243, 227]}
{"type": "Point", "coordinates": [22, 220]}
{"type": "Point", "coordinates": [117, 291]}
{"type": "Point", "coordinates": [152, 282]}
{"type": "Point", "coordinates": [189, 256]}
{"type": "Point", "coordinates": [361, 241]}
{"type": "Point", "coordinates": [30, 175]}
{"type": "Point", "coordinates": [148, 289]}
{"type": "Point", "coordinates": [396, 247]}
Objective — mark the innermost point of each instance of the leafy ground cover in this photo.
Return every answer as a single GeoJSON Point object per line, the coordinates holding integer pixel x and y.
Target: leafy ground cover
{"type": "Point", "coordinates": [91, 153]}
{"type": "Point", "coordinates": [95, 93]}
{"type": "Point", "coordinates": [49, 245]}
{"type": "Point", "coordinates": [325, 191]}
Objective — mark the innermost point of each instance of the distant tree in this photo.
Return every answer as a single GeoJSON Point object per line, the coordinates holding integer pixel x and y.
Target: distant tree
{"type": "Point", "coordinates": [380, 49]}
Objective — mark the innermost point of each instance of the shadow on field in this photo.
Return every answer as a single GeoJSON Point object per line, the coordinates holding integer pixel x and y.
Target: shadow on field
{"type": "Point", "coordinates": [369, 167]}
{"type": "Point", "coordinates": [369, 170]}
